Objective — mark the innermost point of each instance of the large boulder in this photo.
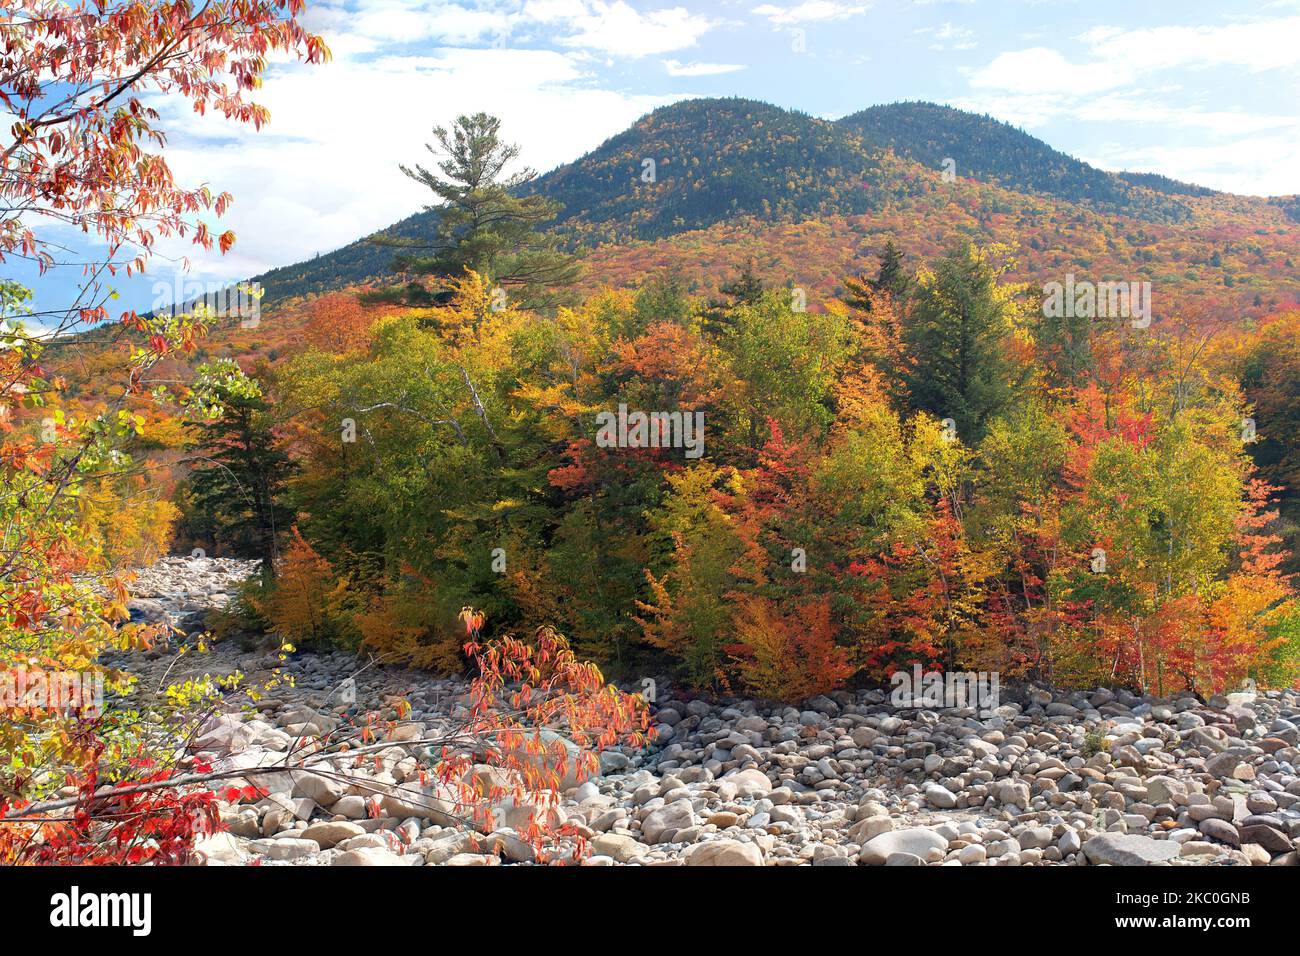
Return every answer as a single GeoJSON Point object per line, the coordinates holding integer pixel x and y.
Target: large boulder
{"type": "Point", "coordinates": [575, 766]}
{"type": "Point", "coordinates": [723, 853]}
{"type": "Point", "coordinates": [330, 833]}
{"type": "Point", "coordinates": [431, 801]}
{"type": "Point", "coordinates": [287, 848]}
{"type": "Point", "coordinates": [519, 811]}
{"type": "Point", "coordinates": [870, 828]}
{"type": "Point", "coordinates": [219, 849]}
{"type": "Point", "coordinates": [746, 783]}
{"type": "Point", "coordinates": [1223, 764]}
{"type": "Point", "coordinates": [1129, 849]}
{"type": "Point", "coordinates": [618, 846]}
{"type": "Point", "coordinates": [224, 734]}
{"type": "Point", "coordinates": [941, 797]}
{"type": "Point", "coordinates": [1012, 792]}
{"type": "Point", "coordinates": [661, 823]}
{"type": "Point", "coordinates": [323, 787]}
{"type": "Point", "coordinates": [368, 856]}
{"type": "Point", "coordinates": [921, 842]}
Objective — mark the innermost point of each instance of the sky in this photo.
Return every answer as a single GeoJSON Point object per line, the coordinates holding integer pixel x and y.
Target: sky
{"type": "Point", "coordinates": [1207, 92]}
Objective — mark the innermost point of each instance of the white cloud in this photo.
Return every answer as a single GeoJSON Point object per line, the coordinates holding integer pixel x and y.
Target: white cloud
{"type": "Point", "coordinates": [1255, 46]}
{"type": "Point", "coordinates": [365, 24]}
{"type": "Point", "coordinates": [674, 68]}
{"type": "Point", "coordinates": [1114, 77]}
{"type": "Point", "coordinates": [1038, 71]}
{"type": "Point", "coordinates": [949, 37]}
{"type": "Point", "coordinates": [620, 30]}
{"type": "Point", "coordinates": [1142, 107]}
{"type": "Point", "coordinates": [810, 11]}
{"type": "Point", "coordinates": [611, 27]}
{"type": "Point", "coordinates": [1265, 167]}
{"type": "Point", "coordinates": [1113, 58]}
{"type": "Point", "coordinates": [324, 171]}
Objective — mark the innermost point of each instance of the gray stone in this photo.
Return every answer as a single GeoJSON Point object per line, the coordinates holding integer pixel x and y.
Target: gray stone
{"type": "Point", "coordinates": [1221, 830]}
{"type": "Point", "coordinates": [667, 819]}
{"type": "Point", "coordinates": [919, 841]}
{"type": "Point", "coordinates": [723, 853]}
{"type": "Point", "coordinates": [1128, 849]}
{"type": "Point", "coordinates": [287, 848]}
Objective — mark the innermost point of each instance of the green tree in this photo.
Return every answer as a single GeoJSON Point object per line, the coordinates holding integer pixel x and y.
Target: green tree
{"type": "Point", "coordinates": [487, 221]}
{"type": "Point", "coordinates": [235, 489]}
{"type": "Point", "coordinates": [890, 277]}
{"type": "Point", "coordinates": [745, 288]}
{"type": "Point", "coordinates": [958, 334]}
{"type": "Point", "coordinates": [787, 361]}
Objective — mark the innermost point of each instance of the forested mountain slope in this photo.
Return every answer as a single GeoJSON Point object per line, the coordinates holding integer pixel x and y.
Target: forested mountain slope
{"type": "Point", "coordinates": [702, 166]}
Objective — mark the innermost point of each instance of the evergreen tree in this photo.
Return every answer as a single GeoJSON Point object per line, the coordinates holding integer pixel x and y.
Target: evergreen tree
{"type": "Point", "coordinates": [1065, 343]}
{"type": "Point", "coordinates": [240, 472]}
{"type": "Point", "coordinates": [486, 219]}
{"type": "Point", "coordinates": [890, 277]}
{"type": "Point", "coordinates": [745, 288]}
{"type": "Point", "coordinates": [958, 334]}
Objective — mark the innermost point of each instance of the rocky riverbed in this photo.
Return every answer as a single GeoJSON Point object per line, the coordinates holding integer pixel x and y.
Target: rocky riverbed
{"type": "Point", "coordinates": [1103, 777]}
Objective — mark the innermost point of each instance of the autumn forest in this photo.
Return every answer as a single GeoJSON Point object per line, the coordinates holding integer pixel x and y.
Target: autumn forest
{"type": "Point", "coordinates": [641, 477]}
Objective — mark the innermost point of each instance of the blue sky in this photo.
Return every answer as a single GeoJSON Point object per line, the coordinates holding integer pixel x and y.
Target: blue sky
{"type": "Point", "coordinates": [1203, 91]}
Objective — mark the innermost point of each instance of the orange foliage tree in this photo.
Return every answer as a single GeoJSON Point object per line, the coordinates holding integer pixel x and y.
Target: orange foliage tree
{"type": "Point", "coordinates": [75, 77]}
{"type": "Point", "coordinates": [538, 719]}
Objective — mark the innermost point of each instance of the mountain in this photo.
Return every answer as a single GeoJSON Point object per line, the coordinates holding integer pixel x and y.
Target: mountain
{"type": "Point", "coordinates": [682, 167]}
{"type": "Point", "coordinates": [695, 187]}
{"type": "Point", "coordinates": [710, 160]}
{"type": "Point", "coordinates": [994, 152]}
{"type": "Point", "coordinates": [1163, 184]}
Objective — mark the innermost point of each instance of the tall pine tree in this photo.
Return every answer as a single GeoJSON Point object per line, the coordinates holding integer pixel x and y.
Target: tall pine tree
{"type": "Point", "coordinates": [487, 221]}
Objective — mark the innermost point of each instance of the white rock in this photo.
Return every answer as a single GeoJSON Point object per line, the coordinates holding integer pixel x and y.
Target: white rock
{"type": "Point", "coordinates": [749, 783]}
{"type": "Point", "coordinates": [368, 856]}
{"type": "Point", "coordinates": [723, 853]}
{"type": "Point", "coordinates": [918, 841]}
{"type": "Point", "coordinates": [658, 823]}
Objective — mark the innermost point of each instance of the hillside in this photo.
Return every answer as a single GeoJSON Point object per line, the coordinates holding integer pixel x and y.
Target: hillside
{"type": "Point", "coordinates": [993, 152]}
{"type": "Point", "coordinates": [712, 160]}
{"type": "Point", "coordinates": [721, 162]}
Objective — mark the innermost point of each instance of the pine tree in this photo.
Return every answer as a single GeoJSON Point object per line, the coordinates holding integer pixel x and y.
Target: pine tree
{"type": "Point", "coordinates": [890, 277]}
{"type": "Point", "coordinates": [237, 484]}
{"type": "Point", "coordinates": [959, 336]}
{"type": "Point", "coordinates": [487, 221]}
{"type": "Point", "coordinates": [746, 288]}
